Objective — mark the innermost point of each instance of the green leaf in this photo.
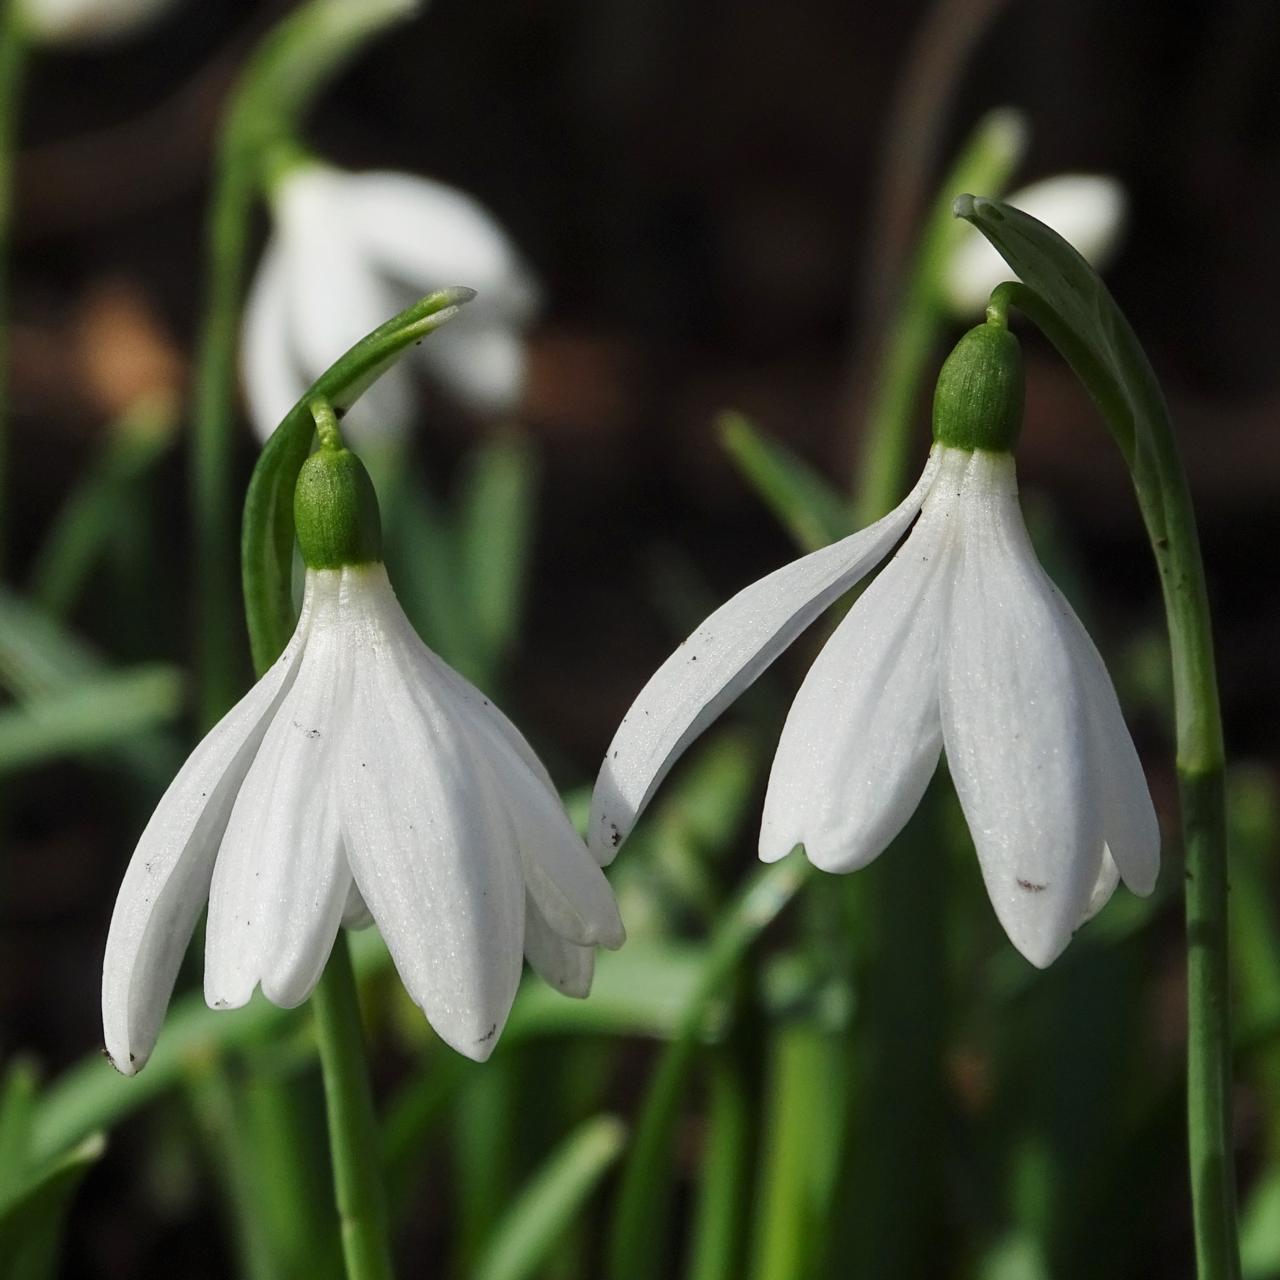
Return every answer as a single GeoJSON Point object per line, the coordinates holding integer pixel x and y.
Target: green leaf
{"type": "Point", "coordinates": [267, 535]}
{"type": "Point", "coordinates": [85, 525]}
{"type": "Point", "coordinates": [524, 1238]}
{"type": "Point", "coordinates": [17, 1108]}
{"type": "Point", "coordinates": [90, 715]}
{"type": "Point", "coordinates": [494, 537]}
{"type": "Point", "coordinates": [809, 508]}
{"type": "Point", "coordinates": [40, 659]}
{"type": "Point", "coordinates": [30, 1221]}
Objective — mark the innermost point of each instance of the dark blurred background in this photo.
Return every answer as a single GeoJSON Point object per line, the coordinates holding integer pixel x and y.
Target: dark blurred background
{"type": "Point", "coordinates": [702, 188]}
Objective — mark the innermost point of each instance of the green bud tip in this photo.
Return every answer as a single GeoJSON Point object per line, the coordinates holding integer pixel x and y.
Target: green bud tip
{"type": "Point", "coordinates": [335, 509]}
{"type": "Point", "coordinates": [978, 402]}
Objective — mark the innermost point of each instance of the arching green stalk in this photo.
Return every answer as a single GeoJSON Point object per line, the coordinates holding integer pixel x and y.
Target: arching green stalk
{"type": "Point", "coordinates": [1061, 293]}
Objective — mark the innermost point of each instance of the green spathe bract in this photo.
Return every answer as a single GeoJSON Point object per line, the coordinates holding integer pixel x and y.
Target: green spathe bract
{"type": "Point", "coordinates": [335, 511]}
{"type": "Point", "coordinates": [979, 398]}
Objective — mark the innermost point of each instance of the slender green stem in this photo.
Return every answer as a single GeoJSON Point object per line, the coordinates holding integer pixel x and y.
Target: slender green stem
{"type": "Point", "coordinates": [353, 1132]}
{"type": "Point", "coordinates": [1139, 420]}
{"type": "Point", "coordinates": [13, 47]}
{"type": "Point", "coordinates": [212, 477]}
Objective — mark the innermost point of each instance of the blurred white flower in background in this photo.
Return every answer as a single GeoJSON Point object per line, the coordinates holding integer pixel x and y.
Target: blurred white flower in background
{"type": "Point", "coordinates": [87, 21]}
{"type": "Point", "coordinates": [349, 250]}
{"type": "Point", "coordinates": [1087, 210]}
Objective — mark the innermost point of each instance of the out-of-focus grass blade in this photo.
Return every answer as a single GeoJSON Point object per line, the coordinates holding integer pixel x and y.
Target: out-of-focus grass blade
{"type": "Point", "coordinates": [809, 508]}
{"type": "Point", "coordinates": [17, 1106]}
{"type": "Point", "coordinates": [528, 1231]}
{"type": "Point", "coordinates": [637, 1243]}
{"type": "Point", "coordinates": [494, 536]}
{"type": "Point", "coordinates": [720, 1219]}
{"type": "Point", "coordinates": [409, 1120]}
{"type": "Point", "coordinates": [1016, 1257]}
{"type": "Point", "coordinates": [30, 1221]}
{"type": "Point", "coordinates": [88, 716]}
{"type": "Point", "coordinates": [39, 658]}
{"type": "Point", "coordinates": [798, 1155]}
{"type": "Point", "coordinates": [86, 523]}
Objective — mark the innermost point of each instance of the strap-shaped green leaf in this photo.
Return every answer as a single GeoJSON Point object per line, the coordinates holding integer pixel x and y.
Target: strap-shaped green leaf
{"type": "Point", "coordinates": [267, 537]}
{"type": "Point", "coordinates": [528, 1231]}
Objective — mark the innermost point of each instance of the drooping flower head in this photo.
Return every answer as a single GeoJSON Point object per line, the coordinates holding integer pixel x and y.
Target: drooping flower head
{"type": "Point", "coordinates": [361, 780]}
{"type": "Point", "coordinates": [962, 643]}
{"type": "Point", "coordinates": [347, 250]}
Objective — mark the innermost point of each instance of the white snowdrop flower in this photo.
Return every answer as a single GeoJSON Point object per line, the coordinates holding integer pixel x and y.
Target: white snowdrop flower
{"type": "Point", "coordinates": [87, 21]}
{"type": "Point", "coordinates": [360, 779]}
{"type": "Point", "coordinates": [1087, 210]}
{"type": "Point", "coordinates": [349, 249]}
{"type": "Point", "coordinates": [963, 644]}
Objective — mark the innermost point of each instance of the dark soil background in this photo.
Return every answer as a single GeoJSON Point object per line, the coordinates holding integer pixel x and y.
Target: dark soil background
{"type": "Point", "coordinates": [700, 185]}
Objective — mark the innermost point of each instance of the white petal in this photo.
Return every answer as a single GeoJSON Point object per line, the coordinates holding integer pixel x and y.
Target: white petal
{"type": "Point", "coordinates": [167, 881]}
{"type": "Point", "coordinates": [281, 880]}
{"type": "Point", "coordinates": [1129, 820]}
{"type": "Point", "coordinates": [565, 966]}
{"type": "Point", "coordinates": [481, 365]}
{"type": "Point", "coordinates": [1015, 724]}
{"type": "Point", "coordinates": [863, 736]}
{"type": "Point", "coordinates": [567, 885]}
{"type": "Point", "coordinates": [1087, 210]}
{"type": "Point", "coordinates": [721, 659]}
{"type": "Point", "coordinates": [334, 293]}
{"type": "Point", "coordinates": [273, 382]}
{"type": "Point", "coordinates": [429, 236]}
{"type": "Point", "coordinates": [429, 845]}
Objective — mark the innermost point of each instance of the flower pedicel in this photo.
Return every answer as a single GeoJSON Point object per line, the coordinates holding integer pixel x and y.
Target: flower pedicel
{"type": "Point", "coordinates": [961, 643]}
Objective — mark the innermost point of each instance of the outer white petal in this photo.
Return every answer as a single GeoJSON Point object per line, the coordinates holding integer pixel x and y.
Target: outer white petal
{"type": "Point", "coordinates": [721, 659]}
{"type": "Point", "coordinates": [167, 881]}
{"type": "Point", "coordinates": [1015, 724]}
{"type": "Point", "coordinates": [273, 381]}
{"type": "Point", "coordinates": [863, 736]}
{"type": "Point", "coordinates": [430, 846]}
{"type": "Point", "coordinates": [1087, 210]}
{"type": "Point", "coordinates": [566, 966]}
{"type": "Point", "coordinates": [281, 881]}
{"type": "Point", "coordinates": [563, 880]}
{"type": "Point", "coordinates": [334, 293]}
{"type": "Point", "coordinates": [428, 236]}
{"type": "Point", "coordinates": [1129, 818]}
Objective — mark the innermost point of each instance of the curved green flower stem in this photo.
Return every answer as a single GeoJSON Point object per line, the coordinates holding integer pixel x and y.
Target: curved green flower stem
{"type": "Point", "coordinates": [353, 1131]}
{"type": "Point", "coordinates": [293, 64]}
{"type": "Point", "coordinates": [986, 163]}
{"type": "Point", "coordinates": [636, 1249]}
{"type": "Point", "coordinates": [1106, 356]}
{"type": "Point", "coordinates": [13, 48]}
